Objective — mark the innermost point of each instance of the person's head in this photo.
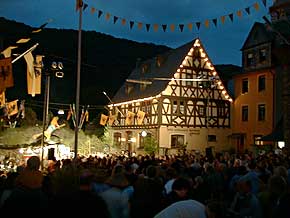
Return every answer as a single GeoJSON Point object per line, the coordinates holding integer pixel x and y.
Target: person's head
{"type": "Point", "coordinates": [181, 186]}
{"type": "Point", "coordinates": [33, 163]}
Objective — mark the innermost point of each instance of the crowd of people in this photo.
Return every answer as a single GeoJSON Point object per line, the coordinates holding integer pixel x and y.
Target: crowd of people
{"type": "Point", "coordinates": [187, 186]}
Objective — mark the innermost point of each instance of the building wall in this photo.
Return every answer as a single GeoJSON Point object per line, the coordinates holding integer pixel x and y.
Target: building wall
{"type": "Point", "coordinates": [253, 98]}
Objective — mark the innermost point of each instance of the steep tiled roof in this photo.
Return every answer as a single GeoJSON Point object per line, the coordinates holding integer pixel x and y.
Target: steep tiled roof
{"type": "Point", "coordinates": [169, 63]}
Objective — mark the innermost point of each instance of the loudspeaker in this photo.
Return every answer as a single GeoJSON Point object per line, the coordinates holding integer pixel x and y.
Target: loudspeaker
{"type": "Point", "coordinates": [50, 154]}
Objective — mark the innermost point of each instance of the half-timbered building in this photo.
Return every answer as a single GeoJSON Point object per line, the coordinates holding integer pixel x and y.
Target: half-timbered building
{"type": "Point", "coordinates": [176, 98]}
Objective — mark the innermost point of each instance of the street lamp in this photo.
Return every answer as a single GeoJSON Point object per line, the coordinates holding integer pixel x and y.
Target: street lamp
{"type": "Point", "coordinates": [56, 69]}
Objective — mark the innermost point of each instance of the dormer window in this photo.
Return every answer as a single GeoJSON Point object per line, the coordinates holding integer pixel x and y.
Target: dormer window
{"type": "Point", "coordinates": [250, 59]}
{"type": "Point", "coordinates": [145, 68]}
{"type": "Point", "coordinates": [129, 88]}
{"type": "Point", "coordinates": [262, 55]}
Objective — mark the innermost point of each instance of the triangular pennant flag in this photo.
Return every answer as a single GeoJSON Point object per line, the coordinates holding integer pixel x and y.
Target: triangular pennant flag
{"type": "Point", "coordinates": [7, 51]}
{"type": "Point", "coordinates": [123, 21]}
{"type": "Point", "coordinates": [115, 19]}
{"type": "Point", "coordinates": [190, 26]}
{"type": "Point", "coordinates": [93, 10]}
{"type": "Point", "coordinates": [239, 13]}
{"type": "Point", "coordinates": [181, 26]}
{"type": "Point", "coordinates": [147, 27]}
{"type": "Point", "coordinates": [22, 40]}
{"type": "Point", "coordinates": [206, 23]}
{"type": "Point", "coordinates": [111, 119]}
{"type": "Point", "coordinates": [223, 18]}
{"type": "Point", "coordinates": [140, 25]}
{"type": "Point", "coordinates": [103, 119]}
{"type": "Point", "coordinates": [131, 24]}
{"type": "Point", "coordinates": [99, 13]}
{"type": "Point", "coordinates": [6, 75]}
{"type": "Point", "coordinates": [231, 16]}
{"type": "Point", "coordinates": [155, 27]}
{"type": "Point", "coordinates": [108, 16]}
{"type": "Point", "coordinates": [85, 6]}
{"type": "Point", "coordinates": [257, 6]}
{"type": "Point", "coordinates": [140, 117]}
{"type": "Point", "coordinates": [214, 21]}
{"type": "Point", "coordinates": [197, 25]}
{"type": "Point", "coordinates": [264, 3]}
{"type": "Point", "coordinates": [247, 10]}
{"type": "Point", "coordinates": [79, 4]}
{"type": "Point", "coordinates": [172, 27]}
{"type": "Point", "coordinates": [164, 27]}
{"type": "Point", "coordinates": [12, 108]}
{"type": "Point", "coordinates": [129, 118]}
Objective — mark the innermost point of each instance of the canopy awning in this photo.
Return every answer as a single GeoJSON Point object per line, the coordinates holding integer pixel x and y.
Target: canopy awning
{"type": "Point", "coordinates": [276, 135]}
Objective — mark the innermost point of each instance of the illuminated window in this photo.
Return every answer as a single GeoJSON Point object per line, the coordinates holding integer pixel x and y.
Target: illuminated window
{"type": "Point", "coordinates": [189, 76]}
{"type": "Point", "coordinates": [177, 140]}
{"type": "Point", "coordinates": [245, 113]}
{"type": "Point", "coordinates": [117, 139]}
{"type": "Point", "coordinates": [143, 139]}
{"type": "Point", "coordinates": [257, 140]}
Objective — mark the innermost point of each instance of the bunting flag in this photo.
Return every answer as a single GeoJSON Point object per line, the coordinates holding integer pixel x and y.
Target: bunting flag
{"type": "Point", "coordinates": [155, 26]}
{"type": "Point", "coordinates": [2, 99]}
{"type": "Point", "coordinates": [129, 118]}
{"type": "Point", "coordinates": [181, 26]}
{"type": "Point", "coordinates": [140, 117]}
{"type": "Point", "coordinates": [7, 51]}
{"type": "Point", "coordinates": [103, 119]}
{"type": "Point", "coordinates": [12, 108]}
{"type": "Point", "coordinates": [20, 41]}
{"type": "Point", "coordinates": [111, 119]}
{"type": "Point", "coordinates": [6, 75]}
{"type": "Point", "coordinates": [69, 114]}
{"type": "Point", "coordinates": [39, 29]}
{"type": "Point", "coordinates": [87, 115]}
{"type": "Point", "coordinates": [33, 78]}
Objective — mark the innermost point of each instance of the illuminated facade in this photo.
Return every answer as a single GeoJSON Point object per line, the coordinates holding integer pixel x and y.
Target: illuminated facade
{"type": "Point", "coordinates": [178, 99]}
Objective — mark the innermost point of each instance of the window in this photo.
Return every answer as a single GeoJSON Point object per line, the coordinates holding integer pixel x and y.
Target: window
{"type": "Point", "coordinates": [117, 138]}
{"type": "Point", "coordinates": [211, 138]}
{"type": "Point", "coordinates": [189, 76]}
{"type": "Point", "coordinates": [262, 55]}
{"type": "Point", "coordinates": [201, 110]}
{"type": "Point", "coordinates": [129, 88]}
{"type": "Point", "coordinates": [177, 140]}
{"type": "Point", "coordinates": [257, 140]}
{"type": "Point", "coordinates": [261, 83]}
{"type": "Point", "coordinates": [174, 107]}
{"type": "Point", "coordinates": [250, 59]}
{"type": "Point", "coordinates": [245, 113]}
{"type": "Point", "coordinates": [261, 112]}
{"type": "Point", "coordinates": [245, 86]}
{"type": "Point", "coordinates": [143, 139]}
{"type": "Point", "coordinates": [181, 107]}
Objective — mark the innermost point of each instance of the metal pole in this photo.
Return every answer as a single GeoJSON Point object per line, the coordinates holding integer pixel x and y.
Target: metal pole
{"type": "Point", "coordinates": [45, 113]}
{"type": "Point", "coordinates": [78, 84]}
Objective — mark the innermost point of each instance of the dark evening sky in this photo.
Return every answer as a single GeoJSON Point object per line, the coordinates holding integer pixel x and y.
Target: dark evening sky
{"type": "Point", "coordinates": [221, 41]}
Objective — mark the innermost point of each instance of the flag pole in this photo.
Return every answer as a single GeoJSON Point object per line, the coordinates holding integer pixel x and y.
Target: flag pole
{"type": "Point", "coordinates": [78, 83]}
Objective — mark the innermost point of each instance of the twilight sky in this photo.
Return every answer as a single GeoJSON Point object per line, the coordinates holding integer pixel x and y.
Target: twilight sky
{"type": "Point", "coordinates": [222, 42]}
